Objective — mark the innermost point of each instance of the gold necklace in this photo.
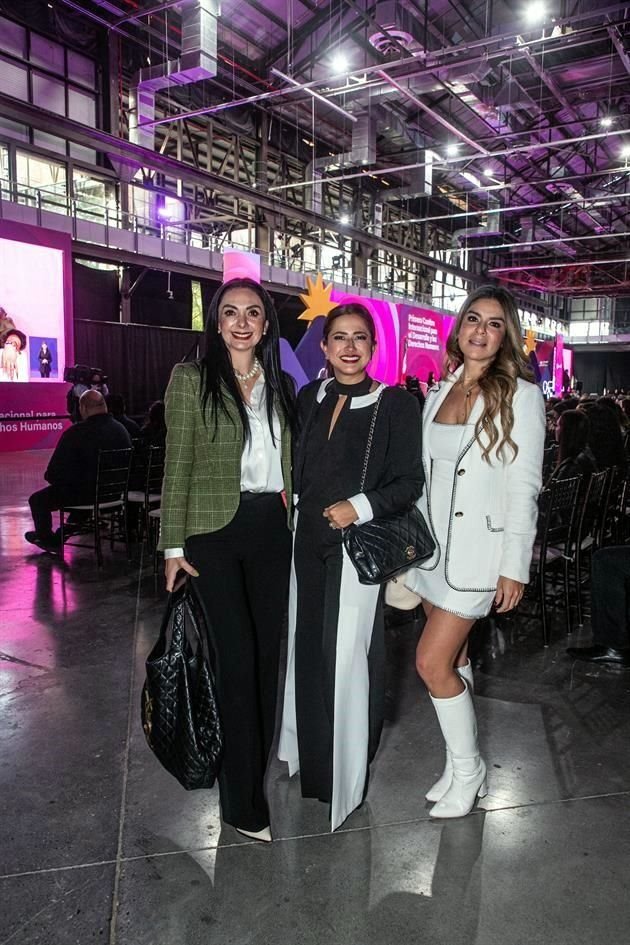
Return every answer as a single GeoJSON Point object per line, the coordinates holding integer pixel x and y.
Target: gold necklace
{"type": "Point", "coordinates": [468, 392]}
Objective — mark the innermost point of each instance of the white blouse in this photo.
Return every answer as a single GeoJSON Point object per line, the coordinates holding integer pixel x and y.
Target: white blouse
{"type": "Point", "coordinates": [261, 460]}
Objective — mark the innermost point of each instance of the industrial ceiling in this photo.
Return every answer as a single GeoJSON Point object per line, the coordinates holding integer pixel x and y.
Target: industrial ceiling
{"type": "Point", "coordinates": [507, 124]}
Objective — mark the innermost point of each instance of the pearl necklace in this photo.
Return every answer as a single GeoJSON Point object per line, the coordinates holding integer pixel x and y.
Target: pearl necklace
{"type": "Point", "coordinates": [253, 371]}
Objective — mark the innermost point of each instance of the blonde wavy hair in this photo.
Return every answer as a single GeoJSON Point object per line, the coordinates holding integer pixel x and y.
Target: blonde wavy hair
{"type": "Point", "coordinates": [499, 381]}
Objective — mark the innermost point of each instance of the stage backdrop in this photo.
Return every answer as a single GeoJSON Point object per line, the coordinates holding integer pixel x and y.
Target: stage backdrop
{"type": "Point", "coordinates": [423, 334]}
{"type": "Point", "coordinates": [35, 300]}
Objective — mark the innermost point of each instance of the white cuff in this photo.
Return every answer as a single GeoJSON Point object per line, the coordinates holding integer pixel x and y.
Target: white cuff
{"type": "Point", "coordinates": [173, 552]}
{"type": "Point", "coordinates": [362, 507]}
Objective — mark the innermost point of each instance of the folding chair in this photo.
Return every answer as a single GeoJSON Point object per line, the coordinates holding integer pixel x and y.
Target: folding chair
{"type": "Point", "coordinates": [588, 532]}
{"type": "Point", "coordinates": [558, 514]}
{"type": "Point", "coordinates": [151, 493]}
{"type": "Point", "coordinates": [109, 507]}
{"type": "Point", "coordinates": [613, 517]}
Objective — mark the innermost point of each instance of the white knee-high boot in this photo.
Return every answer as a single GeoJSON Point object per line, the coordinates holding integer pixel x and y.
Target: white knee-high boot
{"type": "Point", "coordinates": [459, 728]}
{"type": "Point", "coordinates": [443, 783]}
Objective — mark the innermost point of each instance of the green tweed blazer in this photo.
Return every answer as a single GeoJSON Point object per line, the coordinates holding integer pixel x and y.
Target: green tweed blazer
{"type": "Point", "coordinates": [202, 475]}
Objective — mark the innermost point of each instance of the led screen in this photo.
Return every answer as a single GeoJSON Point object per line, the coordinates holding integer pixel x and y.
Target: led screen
{"type": "Point", "coordinates": [32, 345]}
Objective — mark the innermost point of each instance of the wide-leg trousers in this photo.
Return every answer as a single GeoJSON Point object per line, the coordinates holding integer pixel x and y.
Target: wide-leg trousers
{"type": "Point", "coordinates": [243, 585]}
{"type": "Point", "coordinates": [334, 690]}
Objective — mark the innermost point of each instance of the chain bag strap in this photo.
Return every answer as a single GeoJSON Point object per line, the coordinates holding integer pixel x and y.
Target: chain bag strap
{"type": "Point", "coordinates": [386, 546]}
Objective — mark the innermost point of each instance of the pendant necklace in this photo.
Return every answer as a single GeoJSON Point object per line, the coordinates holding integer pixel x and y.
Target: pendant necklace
{"type": "Point", "coordinates": [253, 371]}
{"type": "Point", "coordinates": [467, 394]}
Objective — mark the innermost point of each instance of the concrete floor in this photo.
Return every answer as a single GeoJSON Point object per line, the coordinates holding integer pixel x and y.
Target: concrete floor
{"type": "Point", "coordinates": [98, 844]}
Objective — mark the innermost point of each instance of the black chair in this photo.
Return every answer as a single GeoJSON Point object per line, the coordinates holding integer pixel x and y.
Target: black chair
{"type": "Point", "coordinates": [613, 517]}
{"type": "Point", "coordinates": [154, 529]}
{"type": "Point", "coordinates": [550, 455]}
{"type": "Point", "coordinates": [588, 534]}
{"type": "Point", "coordinates": [109, 508]}
{"type": "Point", "coordinates": [150, 466]}
{"type": "Point", "coordinates": [556, 529]}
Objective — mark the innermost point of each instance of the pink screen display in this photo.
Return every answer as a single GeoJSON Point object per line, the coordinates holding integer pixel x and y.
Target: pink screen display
{"type": "Point", "coordinates": [35, 335]}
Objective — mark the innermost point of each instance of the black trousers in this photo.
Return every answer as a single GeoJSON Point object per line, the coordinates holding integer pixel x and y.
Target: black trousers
{"type": "Point", "coordinates": [610, 578]}
{"type": "Point", "coordinates": [243, 584]}
{"type": "Point", "coordinates": [49, 500]}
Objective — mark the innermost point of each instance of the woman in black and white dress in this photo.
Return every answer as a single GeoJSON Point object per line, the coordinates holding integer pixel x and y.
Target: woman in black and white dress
{"type": "Point", "coordinates": [333, 700]}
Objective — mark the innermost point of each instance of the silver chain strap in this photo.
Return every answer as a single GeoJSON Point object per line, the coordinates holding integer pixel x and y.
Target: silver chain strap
{"type": "Point", "coordinates": [369, 441]}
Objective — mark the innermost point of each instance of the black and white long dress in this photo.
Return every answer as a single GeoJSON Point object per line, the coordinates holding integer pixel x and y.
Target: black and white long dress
{"type": "Point", "coordinates": [333, 701]}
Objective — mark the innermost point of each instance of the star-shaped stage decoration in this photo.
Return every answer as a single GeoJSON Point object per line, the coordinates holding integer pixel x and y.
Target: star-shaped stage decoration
{"type": "Point", "coordinates": [317, 299]}
{"type": "Point", "coordinates": [530, 341]}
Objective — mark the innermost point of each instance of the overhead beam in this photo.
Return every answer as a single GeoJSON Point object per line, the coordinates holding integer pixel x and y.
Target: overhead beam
{"type": "Point", "coordinates": [132, 154]}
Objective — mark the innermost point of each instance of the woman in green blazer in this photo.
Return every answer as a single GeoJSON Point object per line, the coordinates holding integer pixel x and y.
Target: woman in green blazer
{"type": "Point", "coordinates": [229, 418]}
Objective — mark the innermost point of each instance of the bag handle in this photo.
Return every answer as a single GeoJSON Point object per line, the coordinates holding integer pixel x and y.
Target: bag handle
{"type": "Point", "coordinates": [181, 612]}
{"type": "Point", "coordinates": [368, 447]}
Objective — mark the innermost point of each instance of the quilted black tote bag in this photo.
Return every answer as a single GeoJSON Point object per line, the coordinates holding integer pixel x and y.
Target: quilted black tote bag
{"type": "Point", "coordinates": [386, 546]}
{"type": "Point", "coordinates": [180, 716]}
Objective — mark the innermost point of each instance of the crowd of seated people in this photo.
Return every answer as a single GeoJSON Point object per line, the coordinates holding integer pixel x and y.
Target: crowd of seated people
{"type": "Point", "coordinates": [592, 434]}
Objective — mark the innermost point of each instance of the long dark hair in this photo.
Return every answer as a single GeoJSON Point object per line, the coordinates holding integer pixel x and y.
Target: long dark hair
{"type": "Point", "coordinates": [499, 382]}
{"type": "Point", "coordinates": [217, 373]}
{"type": "Point", "coordinates": [574, 430]}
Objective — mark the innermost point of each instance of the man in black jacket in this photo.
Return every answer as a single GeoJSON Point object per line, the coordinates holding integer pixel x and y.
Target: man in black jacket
{"type": "Point", "coordinates": [72, 468]}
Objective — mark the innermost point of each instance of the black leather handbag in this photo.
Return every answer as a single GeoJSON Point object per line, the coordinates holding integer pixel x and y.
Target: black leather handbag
{"type": "Point", "coordinates": [180, 716]}
{"type": "Point", "coordinates": [386, 546]}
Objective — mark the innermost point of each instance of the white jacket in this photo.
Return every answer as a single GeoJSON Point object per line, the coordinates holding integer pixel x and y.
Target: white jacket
{"type": "Point", "coordinates": [494, 509]}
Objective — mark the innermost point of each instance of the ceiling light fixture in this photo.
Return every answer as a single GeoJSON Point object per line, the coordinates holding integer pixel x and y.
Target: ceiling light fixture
{"type": "Point", "coordinates": [344, 219]}
{"type": "Point", "coordinates": [452, 149]}
{"type": "Point", "coordinates": [535, 12]}
{"type": "Point", "coordinates": [488, 172]}
{"type": "Point", "coordinates": [606, 121]}
{"type": "Point", "coordinates": [339, 64]}
{"type": "Point", "coordinates": [625, 151]}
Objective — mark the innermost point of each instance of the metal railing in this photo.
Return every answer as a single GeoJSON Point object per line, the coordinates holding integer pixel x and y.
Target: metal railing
{"type": "Point", "coordinates": [189, 232]}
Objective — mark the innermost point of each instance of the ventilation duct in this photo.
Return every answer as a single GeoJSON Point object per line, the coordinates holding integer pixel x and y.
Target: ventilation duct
{"type": "Point", "coordinates": [198, 61]}
{"type": "Point", "coordinates": [460, 237]}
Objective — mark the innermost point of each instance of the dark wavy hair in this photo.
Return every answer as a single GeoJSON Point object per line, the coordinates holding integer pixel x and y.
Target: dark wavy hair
{"type": "Point", "coordinates": [217, 373]}
{"type": "Point", "coordinates": [498, 383]}
{"type": "Point", "coordinates": [573, 436]}
{"type": "Point", "coordinates": [350, 308]}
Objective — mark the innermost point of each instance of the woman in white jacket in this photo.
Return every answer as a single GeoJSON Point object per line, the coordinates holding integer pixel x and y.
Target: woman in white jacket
{"type": "Point", "coordinates": [483, 438]}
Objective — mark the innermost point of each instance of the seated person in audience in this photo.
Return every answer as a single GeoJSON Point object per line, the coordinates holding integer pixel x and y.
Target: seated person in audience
{"type": "Point", "coordinates": [624, 403]}
{"type": "Point", "coordinates": [553, 415]}
{"type": "Point", "coordinates": [117, 407]}
{"type": "Point", "coordinates": [71, 472]}
{"type": "Point", "coordinates": [612, 404]}
{"type": "Point", "coordinates": [153, 430]}
{"type": "Point", "coordinates": [610, 574]}
{"type": "Point", "coordinates": [604, 438]}
{"type": "Point", "coordinates": [574, 455]}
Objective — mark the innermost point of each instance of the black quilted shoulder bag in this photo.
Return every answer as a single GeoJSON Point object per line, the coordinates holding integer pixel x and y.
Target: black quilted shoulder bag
{"type": "Point", "coordinates": [386, 546]}
{"type": "Point", "coordinates": [180, 716]}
